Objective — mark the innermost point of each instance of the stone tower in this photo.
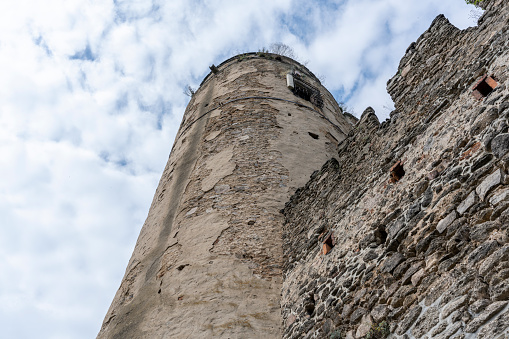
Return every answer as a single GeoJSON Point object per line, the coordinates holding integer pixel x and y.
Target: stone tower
{"type": "Point", "coordinates": [208, 260]}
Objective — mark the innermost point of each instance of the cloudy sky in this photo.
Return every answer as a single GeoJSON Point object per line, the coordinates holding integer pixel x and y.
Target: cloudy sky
{"type": "Point", "coordinates": [91, 96]}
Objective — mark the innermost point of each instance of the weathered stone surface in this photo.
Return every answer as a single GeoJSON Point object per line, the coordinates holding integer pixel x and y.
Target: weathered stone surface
{"type": "Point", "coordinates": [445, 222]}
{"type": "Point", "coordinates": [500, 291]}
{"type": "Point", "coordinates": [380, 313]}
{"type": "Point", "coordinates": [453, 306]}
{"type": "Point", "coordinates": [495, 328]}
{"type": "Point", "coordinates": [391, 262]}
{"type": "Point", "coordinates": [489, 183]}
{"type": "Point", "coordinates": [485, 315]}
{"type": "Point", "coordinates": [499, 196]}
{"type": "Point", "coordinates": [500, 145]}
{"type": "Point", "coordinates": [490, 263]}
{"type": "Point", "coordinates": [467, 203]}
{"type": "Point", "coordinates": [426, 322]}
{"type": "Point", "coordinates": [409, 319]}
{"type": "Point", "coordinates": [433, 237]}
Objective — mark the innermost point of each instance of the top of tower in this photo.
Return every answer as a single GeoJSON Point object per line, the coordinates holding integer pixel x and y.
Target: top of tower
{"type": "Point", "coordinates": [266, 55]}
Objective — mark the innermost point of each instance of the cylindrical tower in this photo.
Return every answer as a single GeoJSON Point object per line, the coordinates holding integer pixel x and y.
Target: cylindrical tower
{"type": "Point", "coordinates": [207, 263]}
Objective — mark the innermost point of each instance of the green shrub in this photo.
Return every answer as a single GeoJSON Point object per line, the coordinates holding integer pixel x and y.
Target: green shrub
{"type": "Point", "coordinates": [336, 334]}
{"type": "Point", "coordinates": [473, 2]}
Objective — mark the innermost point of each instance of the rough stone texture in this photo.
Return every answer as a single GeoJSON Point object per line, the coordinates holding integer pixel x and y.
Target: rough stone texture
{"type": "Point", "coordinates": [500, 145]}
{"type": "Point", "coordinates": [208, 261]}
{"type": "Point", "coordinates": [427, 253]}
{"type": "Point", "coordinates": [489, 183]}
{"type": "Point", "coordinates": [467, 203]}
{"type": "Point", "coordinates": [444, 223]}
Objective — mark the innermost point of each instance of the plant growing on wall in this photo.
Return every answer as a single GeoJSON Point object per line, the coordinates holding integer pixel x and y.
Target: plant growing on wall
{"type": "Point", "coordinates": [473, 2]}
{"type": "Point", "coordinates": [379, 331]}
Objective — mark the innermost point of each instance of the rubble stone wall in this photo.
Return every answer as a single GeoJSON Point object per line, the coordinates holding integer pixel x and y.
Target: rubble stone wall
{"type": "Point", "coordinates": [422, 252]}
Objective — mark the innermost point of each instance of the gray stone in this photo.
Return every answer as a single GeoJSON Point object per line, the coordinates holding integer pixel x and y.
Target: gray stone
{"type": "Point", "coordinates": [493, 260]}
{"type": "Point", "coordinates": [480, 232]}
{"type": "Point", "coordinates": [499, 196]}
{"type": "Point", "coordinates": [426, 322]}
{"type": "Point", "coordinates": [442, 224]}
{"type": "Point", "coordinates": [500, 145]}
{"type": "Point", "coordinates": [482, 252]}
{"type": "Point", "coordinates": [380, 313]}
{"type": "Point", "coordinates": [479, 305]}
{"type": "Point", "coordinates": [453, 306]}
{"type": "Point", "coordinates": [357, 315]}
{"type": "Point", "coordinates": [451, 330]}
{"type": "Point", "coordinates": [489, 183]}
{"type": "Point", "coordinates": [467, 203]}
{"type": "Point", "coordinates": [439, 329]}
{"type": "Point", "coordinates": [495, 328]}
{"type": "Point", "coordinates": [500, 291]}
{"type": "Point", "coordinates": [489, 312]}
{"type": "Point", "coordinates": [390, 263]}
{"type": "Point", "coordinates": [409, 319]}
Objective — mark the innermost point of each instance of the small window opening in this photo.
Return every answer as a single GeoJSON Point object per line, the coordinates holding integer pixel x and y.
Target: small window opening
{"type": "Point", "coordinates": [306, 91]}
{"type": "Point", "coordinates": [328, 243]}
{"type": "Point", "coordinates": [484, 87]}
{"type": "Point", "coordinates": [397, 171]}
{"type": "Point", "coordinates": [313, 135]}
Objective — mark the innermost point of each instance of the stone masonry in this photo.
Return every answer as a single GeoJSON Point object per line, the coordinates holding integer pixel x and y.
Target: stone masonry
{"type": "Point", "coordinates": [209, 258]}
{"type": "Point", "coordinates": [414, 211]}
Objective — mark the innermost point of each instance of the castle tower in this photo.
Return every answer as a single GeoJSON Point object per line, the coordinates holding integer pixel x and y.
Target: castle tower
{"type": "Point", "coordinates": [208, 260]}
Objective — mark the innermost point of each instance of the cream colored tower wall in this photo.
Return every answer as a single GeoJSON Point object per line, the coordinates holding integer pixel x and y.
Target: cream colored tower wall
{"type": "Point", "coordinates": [207, 263]}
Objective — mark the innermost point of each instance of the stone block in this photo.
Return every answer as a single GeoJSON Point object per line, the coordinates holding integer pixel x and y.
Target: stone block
{"type": "Point", "coordinates": [501, 291]}
{"type": "Point", "coordinates": [491, 181]}
{"type": "Point", "coordinates": [417, 277]}
{"type": "Point", "coordinates": [426, 322]}
{"type": "Point", "coordinates": [380, 313]}
{"type": "Point", "coordinates": [500, 145]}
{"type": "Point", "coordinates": [467, 203]}
{"type": "Point", "coordinates": [499, 196]}
{"type": "Point", "coordinates": [409, 319]}
{"type": "Point", "coordinates": [495, 328]}
{"type": "Point", "coordinates": [453, 306]}
{"type": "Point", "coordinates": [390, 263]}
{"type": "Point", "coordinates": [445, 222]}
{"type": "Point", "coordinates": [482, 318]}
{"type": "Point", "coordinates": [493, 260]}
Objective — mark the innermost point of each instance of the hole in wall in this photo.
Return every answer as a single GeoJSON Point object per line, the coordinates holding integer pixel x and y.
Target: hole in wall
{"type": "Point", "coordinates": [328, 243]}
{"type": "Point", "coordinates": [382, 235]}
{"type": "Point", "coordinates": [181, 267]}
{"type": "Point", "coordinates": [313, 135]}
{"type": "Point", "coordinates": [397, 171]}
{"type": "Point", "coordinates": [289, 114]}
{"type": "Point", "coordinates": [310, 305]}
{"type": "Point", "coordinates": [484, 87]}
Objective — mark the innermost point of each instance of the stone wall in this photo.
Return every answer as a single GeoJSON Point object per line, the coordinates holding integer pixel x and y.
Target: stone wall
{"type": "Point", "coordinates": [413, 215]}
{"type": "Point", "coordinates": [208, 261]}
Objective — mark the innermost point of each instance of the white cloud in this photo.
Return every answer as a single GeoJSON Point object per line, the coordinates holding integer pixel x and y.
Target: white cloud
{"type": "Point", "coordinates": [91, 98]}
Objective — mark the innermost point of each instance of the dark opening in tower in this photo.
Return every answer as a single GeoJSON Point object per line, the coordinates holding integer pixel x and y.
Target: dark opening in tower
{"type": "Point", "coordinates": [307, 92]}
{"type": "Point", "coordinates": [328, 243]}
{"type": "Point", "coordinates": [484, 87]}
